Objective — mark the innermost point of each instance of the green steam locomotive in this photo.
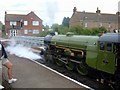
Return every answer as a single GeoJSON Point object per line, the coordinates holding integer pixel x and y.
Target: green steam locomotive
{"type": "Point", "coordinates": [100, 54]}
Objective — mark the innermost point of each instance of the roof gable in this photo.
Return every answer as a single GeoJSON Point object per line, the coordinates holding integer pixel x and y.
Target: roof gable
{"type": "Point", "coordinates": [31, 14]}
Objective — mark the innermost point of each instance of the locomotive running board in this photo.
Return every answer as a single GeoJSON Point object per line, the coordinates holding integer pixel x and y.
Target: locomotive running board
{"type": "Point", "coordinates": [65, 60]}
{"type": "Point", "coordinates": [75, 61]}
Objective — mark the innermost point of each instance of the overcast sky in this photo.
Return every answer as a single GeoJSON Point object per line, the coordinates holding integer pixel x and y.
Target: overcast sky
{"type": "Point", "coordinates": [53, 11]}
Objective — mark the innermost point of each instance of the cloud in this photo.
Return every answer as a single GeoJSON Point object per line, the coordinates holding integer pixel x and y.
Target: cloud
{"type": "Point", "coordinates": [53, 11]}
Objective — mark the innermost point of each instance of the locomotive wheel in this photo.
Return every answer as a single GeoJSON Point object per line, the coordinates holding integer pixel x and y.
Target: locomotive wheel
{"type": "Point", "coordinates": [48, 56]}
{"type": "Point", "coordinates": [58, 62]}
{"type": "Point", "coordinates": [82, 69]}
{"type": "Point", "coordinates": [69, 66]}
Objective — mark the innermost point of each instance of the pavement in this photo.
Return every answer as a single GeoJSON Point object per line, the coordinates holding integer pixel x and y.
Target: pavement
{"type": "Point", "coordinates": [31, 74]}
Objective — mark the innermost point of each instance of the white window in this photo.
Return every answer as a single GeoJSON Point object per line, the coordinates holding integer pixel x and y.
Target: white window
{"type": "Point", "coordinates": [25, 31]}
{"type": "Point", "coordinates": [25, 23]}
{"type": "Point", "coordinates": [109, 25]}
{"type": "Point", "coordinates": [100, 24]}
{"type": "Point", "coordinates": [29, 31]}
{"type": "Point", "coordinates": [35, 31]}
{"type": "Point", "coordinates": [13, 23]}
{"type": "Point", "coordinates": [86, 24]}
{"type": "Point", "coordinates": [35, 23]}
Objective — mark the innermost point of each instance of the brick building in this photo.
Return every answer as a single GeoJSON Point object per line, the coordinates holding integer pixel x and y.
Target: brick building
{"type": "Point", "coordinates": [22, 25]}
{"type": "Point", "coordinates": [97, 19]}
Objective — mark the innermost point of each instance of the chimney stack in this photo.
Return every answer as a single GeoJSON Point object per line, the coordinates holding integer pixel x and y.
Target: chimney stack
{"type": "Point", "coordinates": [74, 10]}
{"type": "Point", "coordinates": [5, 12]}
{"type": "Point", "coordinates": [98, 11]}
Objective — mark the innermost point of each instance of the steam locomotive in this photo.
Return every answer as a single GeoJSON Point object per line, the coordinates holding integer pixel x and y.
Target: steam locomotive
{"type": "Point", "coordinates": [98, 54]}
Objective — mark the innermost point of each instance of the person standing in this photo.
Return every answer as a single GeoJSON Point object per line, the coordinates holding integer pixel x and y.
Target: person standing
{"type": "Point", "coordinates": [7, 64]}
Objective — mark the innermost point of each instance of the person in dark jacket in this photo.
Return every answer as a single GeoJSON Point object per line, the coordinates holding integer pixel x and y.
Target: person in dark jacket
{"type": "Point", "coordinates": [6, 63]}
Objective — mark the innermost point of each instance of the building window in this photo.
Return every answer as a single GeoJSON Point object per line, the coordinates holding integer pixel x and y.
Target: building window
{"type": "Point", "coordinates": [25, 23]}
{"type": "Point", "coordinates": [30, 31]}
{"type": "Point", "coordinates": [100, 24]}
{"type": "Point", "coordinates": [35, 31]}
{"type": "Point", "coordinates": [109, 25]}
{"type": "Point", "coordinates": [25, 31]}
{"type": "Point", "coordinates": [13, 23]}
{"type": "Point", "coordinates": [86, 25]}
{"type": "Point", "coordinates": [35, 23]}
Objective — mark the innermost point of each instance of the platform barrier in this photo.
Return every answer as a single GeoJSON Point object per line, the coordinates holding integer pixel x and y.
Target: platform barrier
{"type": "Point", "coordinates": [29, 40]}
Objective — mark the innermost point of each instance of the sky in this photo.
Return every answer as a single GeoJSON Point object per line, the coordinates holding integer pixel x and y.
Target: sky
{"type": "Point", "coordinates": [53, 11]}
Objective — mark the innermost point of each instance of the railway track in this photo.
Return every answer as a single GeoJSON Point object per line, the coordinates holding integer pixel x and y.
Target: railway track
{"type": "Point", "coordinates": [87, 80]}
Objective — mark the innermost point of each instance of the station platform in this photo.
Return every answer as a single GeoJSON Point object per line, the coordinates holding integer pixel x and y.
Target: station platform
{"type": "Point", "coordinates": [31, 74]}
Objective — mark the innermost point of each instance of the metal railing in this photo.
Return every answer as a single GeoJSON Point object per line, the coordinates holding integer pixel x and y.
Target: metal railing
{"type": "Point", "coordinates": [29, 41]}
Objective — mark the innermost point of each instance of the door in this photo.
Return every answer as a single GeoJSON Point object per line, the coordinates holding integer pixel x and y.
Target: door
{"type": "Point", "coordinates": [106, 57]}
{"type": "Point", "coordinates": [13, 32]}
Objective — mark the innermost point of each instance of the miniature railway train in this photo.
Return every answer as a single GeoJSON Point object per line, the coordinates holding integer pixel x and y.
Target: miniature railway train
{"type": "Point", "coordinates": [97, 54]}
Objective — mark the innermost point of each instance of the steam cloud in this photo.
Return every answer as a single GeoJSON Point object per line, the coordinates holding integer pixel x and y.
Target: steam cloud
{"type": "Point", "coordinates": [52, 9]}
{"type": "Point", "coordinates": [22, 51]}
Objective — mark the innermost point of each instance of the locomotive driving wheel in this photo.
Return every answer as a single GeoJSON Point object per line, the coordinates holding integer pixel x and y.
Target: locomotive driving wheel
{"type": "Point", "coordinates": [69, 65]}
{"type": "Point", "coordinates": [58, 62]}
{"type": "Point", "coordinates": [47, 55]}
{"type": "Point", "coordinates": [82, 69]}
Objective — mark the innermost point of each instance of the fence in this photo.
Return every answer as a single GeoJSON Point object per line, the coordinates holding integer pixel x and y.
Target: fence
{"type": "Point", "coordinates": [29, 41]}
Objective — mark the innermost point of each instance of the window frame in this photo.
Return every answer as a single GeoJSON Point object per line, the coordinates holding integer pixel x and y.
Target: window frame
{"type": "Point", "coordinates": [25, 23]}
{"type": "Point", "coordinates": [25, 31]}
{"type": "Point", "coordinates": [13, 23]}
{"type": "Point", "coordinates": [104, 46]}
{"type": "Point", "coordinates": [35, 23]}
{"type": "Point", "coordinates": [110, 48]}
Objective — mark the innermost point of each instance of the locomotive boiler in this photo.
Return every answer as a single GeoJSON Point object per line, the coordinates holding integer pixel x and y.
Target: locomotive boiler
{"type": "Point", "coordinates": [100, 54]}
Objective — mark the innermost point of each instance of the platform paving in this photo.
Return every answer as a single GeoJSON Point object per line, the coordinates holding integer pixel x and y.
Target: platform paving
{"type": "Point", "coordinates": [33, 75]}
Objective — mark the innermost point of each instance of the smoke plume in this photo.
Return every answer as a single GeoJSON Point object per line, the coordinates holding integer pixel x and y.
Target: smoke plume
{"type": "Point", "coordinates": [21, 51]}
{"type": "Point", "coordinates": [52, 9]}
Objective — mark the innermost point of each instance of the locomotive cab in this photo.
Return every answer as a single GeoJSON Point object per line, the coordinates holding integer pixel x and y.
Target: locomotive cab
{"type": "Point", "coordinates": [109, 53]}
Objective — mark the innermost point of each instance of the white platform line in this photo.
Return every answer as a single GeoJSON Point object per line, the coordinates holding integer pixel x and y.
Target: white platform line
{"type": "Point", "coordinates": [64, 76]}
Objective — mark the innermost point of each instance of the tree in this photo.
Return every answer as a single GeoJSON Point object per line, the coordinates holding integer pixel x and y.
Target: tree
{"type": "Point", "coordinates": [55, 27]}
{"type": "Point", "coordinates": [76, 29]}
{"type": "Point", "coordinates": [3, 31]}
{"type": "Point", "coordinates": [65, 21]}
{"type": "Point", "coordinates": [46, 28]}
